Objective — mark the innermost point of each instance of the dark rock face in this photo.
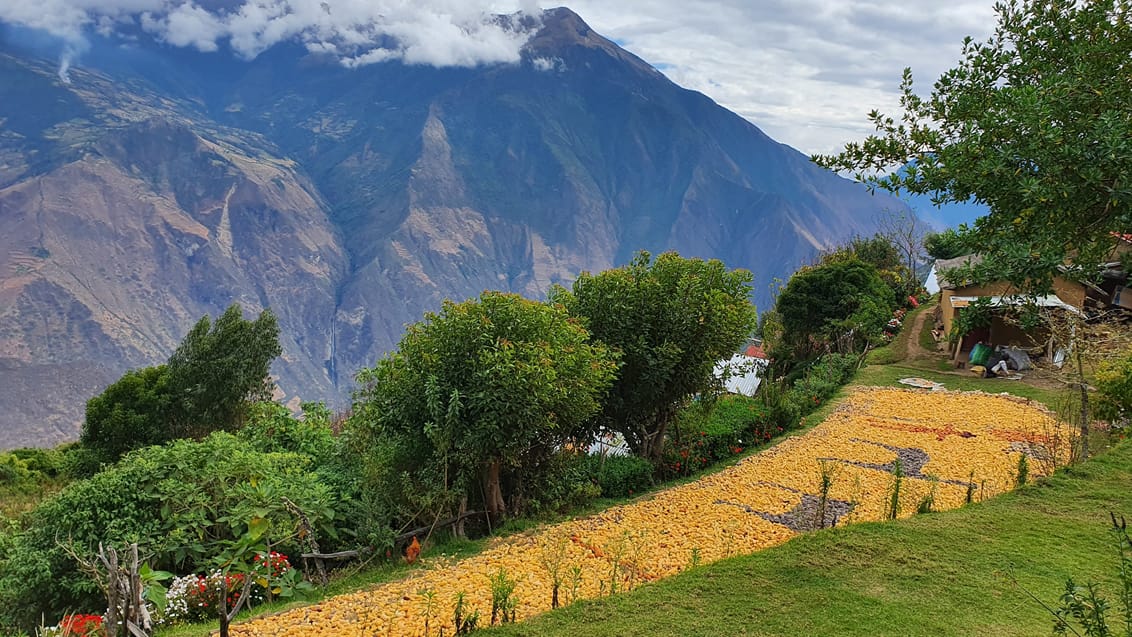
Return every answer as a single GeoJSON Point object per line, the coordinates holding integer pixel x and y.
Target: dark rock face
{"type": "Point", "coordinates": [161, 185]}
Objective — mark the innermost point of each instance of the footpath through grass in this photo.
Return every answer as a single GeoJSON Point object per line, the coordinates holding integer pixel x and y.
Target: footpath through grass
{"type": "Point", "coordinates": [936, 574]}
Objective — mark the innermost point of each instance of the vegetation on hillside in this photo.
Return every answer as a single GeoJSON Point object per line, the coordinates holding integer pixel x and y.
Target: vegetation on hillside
{"type": "Point", "coordinates": [828, 476]}
{"type": "Point", "coordinates": [475, 403]}
{"type": "Point", "coordinates": [207, 385]}
{"type": "Point", "coordinates": [671, 320]}
{"type": "Point", "coordinates": [491, 404]}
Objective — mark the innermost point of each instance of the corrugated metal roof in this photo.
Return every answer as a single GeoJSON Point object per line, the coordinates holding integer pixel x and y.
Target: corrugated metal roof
{"type": "Point", "coordinates": [1004, 301]}
{"type": "Point", "coordinates": [745, 373]}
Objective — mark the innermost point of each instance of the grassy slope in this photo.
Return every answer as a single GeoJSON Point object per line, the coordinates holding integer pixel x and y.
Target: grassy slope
{"type": "Point", "coordinates": [935, 574]}
{"type": "Point", "coordinates": [869, 579]}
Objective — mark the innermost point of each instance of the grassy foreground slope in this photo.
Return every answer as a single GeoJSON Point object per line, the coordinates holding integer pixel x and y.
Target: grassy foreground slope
{"type": "Point", "coordinates": [934, 574]}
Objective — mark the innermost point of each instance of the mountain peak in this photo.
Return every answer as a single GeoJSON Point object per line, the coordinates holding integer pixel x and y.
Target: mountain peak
{"type": "Point", "coordinates": [563, 30]}
{"type": "Point", "coordinates": [562, 23]}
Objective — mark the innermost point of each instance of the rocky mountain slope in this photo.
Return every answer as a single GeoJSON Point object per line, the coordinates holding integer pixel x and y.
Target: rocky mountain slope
{"type": "Point", "coordinates": [161, 184]}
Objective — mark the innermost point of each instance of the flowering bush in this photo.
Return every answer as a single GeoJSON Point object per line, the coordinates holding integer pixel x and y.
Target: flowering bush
{"type": "Point", "coordinates": [195, 598]}
{"type": "Point", "coordinates": [707, 434]}
{"type": "Point", "coordinates": [893, 326]}
{"type": "Point", "coordinates": [77, 626]}
{"type": "Point", "coordinates": [274, 564]}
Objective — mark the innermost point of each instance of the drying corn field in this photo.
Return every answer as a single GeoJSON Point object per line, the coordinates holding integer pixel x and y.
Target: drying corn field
{"type": "Point", "coordinates": [883, 452]}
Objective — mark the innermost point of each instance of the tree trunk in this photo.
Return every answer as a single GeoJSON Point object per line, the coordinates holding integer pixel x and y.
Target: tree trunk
{"type": "Point", "coordinates": [224, 622]}
{"type": "Point", "coordinates": [1084, 424]}
{"type": "Point", "coordinates": [458, 527]}
{"type": "Point", "coordinates": [113, 591]}
{"type": "Point", "coordinates": [654, 444]}
{"type": "Point", "coordinates": [493, 502]}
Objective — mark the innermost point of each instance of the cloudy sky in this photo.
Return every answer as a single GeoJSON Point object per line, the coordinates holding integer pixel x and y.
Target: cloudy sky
{"type": "Point", "coordinates": [805, 71]}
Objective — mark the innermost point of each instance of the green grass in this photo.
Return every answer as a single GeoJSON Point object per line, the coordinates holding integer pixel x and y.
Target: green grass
{"type": "Point", "coordinates": [887, 375]}
{"type": "Point", "coordinates": [17, 499]}
{"type": "Point", "coordinates": [927, 341]}
{"type": "Point", "coordinates": [936, 574]}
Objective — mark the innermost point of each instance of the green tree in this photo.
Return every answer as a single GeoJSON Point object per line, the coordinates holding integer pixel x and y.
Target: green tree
{"type": "Point", "coordinates": [219, 370]}
{"type": "Point", "coordinates": [671, 319]}
{"type": "Point", "coordinates": [128, 414]}
{"type": "Point", "coordinates": [885, 255]}
{"type": "Point", "coordinates": [841, 305]}
{"type": "Point", "coordinates": [948, 244]}
{"type": "Point", "coordinates": [481, 394]}
{"type": "Point", "coordinates": [208, 384]}
{"type": "Point", "coordinates": [1036, 123]}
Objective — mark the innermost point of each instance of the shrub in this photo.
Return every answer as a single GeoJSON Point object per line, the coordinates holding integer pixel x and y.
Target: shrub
{"type": "Point", "coordinates": [709, 431]}
{"type": "Point", "coordinates": [736, 413]}
{"type": "Point", "coordinates": [1114, 389]}
{"type": "Point", "coordinates": [79, 461]}
{"type": "Point", "coordinates": [620, 475]}
{"type": "Point", "coordinates": [815, 383]}
{"type": "Point", "coordinates": [559, 483]}
{"type": "Point", "coordinates": [272, 428]}
{"type": "Point", "coordinates": [13, 470]}
{"type": "Point", "coordinates": [822, 380]}
{"type": "Point", "coordinates": [779, 404]}
{"type": "Point", "coordinates": [45, 462]}
{"type": "Point", "coordinates": [181, 503]}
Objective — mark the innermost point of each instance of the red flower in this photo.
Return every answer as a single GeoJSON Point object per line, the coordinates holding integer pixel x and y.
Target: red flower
{"type": "Point", "coordinates": [81, 625]}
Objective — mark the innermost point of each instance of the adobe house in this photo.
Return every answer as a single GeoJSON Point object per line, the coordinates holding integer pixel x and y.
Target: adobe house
{"type": "Point", "coordinates": [955, 297]}
{"type": "Point", "coordinates": [1112, 291]}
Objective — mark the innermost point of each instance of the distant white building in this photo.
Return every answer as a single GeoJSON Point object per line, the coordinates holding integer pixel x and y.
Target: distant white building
{"type": "Point", "coordinates": [742, 373]}
{"type": "Point", "coordinates": [931, 284]}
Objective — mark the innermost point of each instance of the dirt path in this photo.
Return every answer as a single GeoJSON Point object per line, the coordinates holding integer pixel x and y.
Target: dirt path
{"type": "Point", "coordinates": [916, 351]}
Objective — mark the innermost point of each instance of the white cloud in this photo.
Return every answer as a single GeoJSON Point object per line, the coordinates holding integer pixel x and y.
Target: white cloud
{"type": "Point", "coordinates": [190, 25]}
{"type": "Point", "coordinates": [436, 32]}
{"type": "Point", "coordinates": [546, 64]}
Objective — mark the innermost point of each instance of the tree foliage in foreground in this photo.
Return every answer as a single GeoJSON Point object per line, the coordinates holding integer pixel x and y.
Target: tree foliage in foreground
{"type": "Point", "coordinates": [885, 256]}
{"type": "Point", "coordinates": [220, 370]}
{"type": "Point", "coordinates": [1036, 122]}
{"type": "Point", "coordinates": [671, 319]}
{"type": "Point", "coordinates": [478, 397]}
{"type": "Point", "coordinates": [208, 384]}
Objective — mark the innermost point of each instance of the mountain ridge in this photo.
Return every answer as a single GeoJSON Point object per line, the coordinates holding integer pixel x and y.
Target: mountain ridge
{"type": "Point", "coordinates": [351, 201]}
